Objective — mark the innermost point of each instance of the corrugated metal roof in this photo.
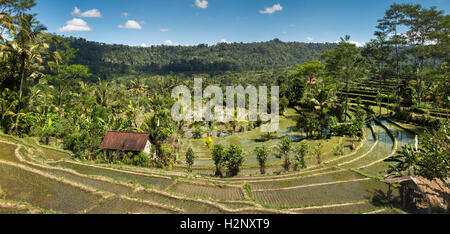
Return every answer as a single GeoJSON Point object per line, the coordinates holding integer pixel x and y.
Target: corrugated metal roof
{"type": "Point", "coordinates": [125, 141]}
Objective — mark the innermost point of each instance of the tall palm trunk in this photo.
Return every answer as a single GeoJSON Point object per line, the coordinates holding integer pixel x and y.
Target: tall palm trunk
{"type": "Point", "coordinates": [346, 101]}
{"type": "Point", "coordinates": [22, 78]}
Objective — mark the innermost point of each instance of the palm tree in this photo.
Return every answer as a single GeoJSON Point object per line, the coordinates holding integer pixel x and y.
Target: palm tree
{"type": "Point", "coordinates": [323, 98]}
{"type": "Point", "coordinates": [25, 50]}
{"type": "Point", "coordinates": [405, 160]}
{"type": "Point", "coordinates": [138, 87]}
{"type": "Point", "coordinates": [7, 110]}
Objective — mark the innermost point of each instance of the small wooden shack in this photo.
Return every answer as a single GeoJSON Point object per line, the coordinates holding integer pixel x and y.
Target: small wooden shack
{"type": "Point", "coordinates": [127, 141]}
{"type": "Point", "coordinates": [436, 193]}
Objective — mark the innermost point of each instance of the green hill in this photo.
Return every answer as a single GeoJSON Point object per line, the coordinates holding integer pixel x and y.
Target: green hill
{"type": "Point", "coordinates": [108, 60]}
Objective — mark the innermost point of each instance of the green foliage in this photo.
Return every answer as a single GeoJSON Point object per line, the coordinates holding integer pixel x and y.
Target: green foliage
{"type": "Point", "coordinates": [309, 123]}
{"type": "Point", "coordinates": [218, 156]}
{"type": "Point", "coordinates": [111, 60]}
{"type": "Point", "coordinates": [318, 152]}
{"type": "Point", "coordinates": [284, 103]}
{"type": "Point", "coordinates": [284, 149]}
{"type": "Point", "coordinates": [161, 127]}
{"type": "Point", "coordinates": [262, 152]}
{"type": "Point", "coordinates": [234, 159]}
{"type": "Point", "coordinates": [300, 154]}
{"type": "Point", "coordinates": [339, 148]}
{"type": "Point", "coordinates": [435, 154]}
{"type": "Point", "coordinates": [190, 157]}
{"type": "Point", "coordinates": [140, 159]}
{"type": "Point", "coordinates": [197, 133]}
{"type": "Point", "coordinates": [431, 160]}
{"type": "Point", "coordinates": [311, 70]}
{"type": "Point", "coordinates": [405, 160]}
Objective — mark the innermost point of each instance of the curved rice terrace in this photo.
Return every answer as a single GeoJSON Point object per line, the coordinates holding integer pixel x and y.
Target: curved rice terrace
{"type": "Point", "coordinates": [37, 179]}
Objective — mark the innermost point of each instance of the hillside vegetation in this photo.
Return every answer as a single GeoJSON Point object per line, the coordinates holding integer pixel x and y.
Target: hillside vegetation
{"type": "Point", "coordinates": [109, 60]}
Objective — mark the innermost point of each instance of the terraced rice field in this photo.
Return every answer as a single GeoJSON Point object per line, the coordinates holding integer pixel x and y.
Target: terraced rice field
{"type": "Point", "coordinates": [209, 191]}
{"type": "Point", "coordinates": [58, 184]}
{"type": "Point", "coordinates": [340, 191]}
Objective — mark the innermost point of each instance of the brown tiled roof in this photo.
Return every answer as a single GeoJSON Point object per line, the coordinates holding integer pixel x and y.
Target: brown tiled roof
{"type": "Point", "coordinates": [125, 141]}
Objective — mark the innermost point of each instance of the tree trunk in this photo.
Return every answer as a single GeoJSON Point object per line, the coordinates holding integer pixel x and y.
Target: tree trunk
{"type": "Point", "coordinates": [22, 78]}
{"type": "Point", "coordinates": [346, 102]}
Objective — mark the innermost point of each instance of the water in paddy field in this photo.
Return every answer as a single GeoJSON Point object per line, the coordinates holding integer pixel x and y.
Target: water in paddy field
{"type": "Point", "coordinates": [247, 140]}
{"type": "Point", "coordinates": [403, 138]}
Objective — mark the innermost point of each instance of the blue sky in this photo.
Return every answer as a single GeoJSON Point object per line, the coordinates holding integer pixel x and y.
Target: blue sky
{"type": "Point", "coordinates": [191, 22]}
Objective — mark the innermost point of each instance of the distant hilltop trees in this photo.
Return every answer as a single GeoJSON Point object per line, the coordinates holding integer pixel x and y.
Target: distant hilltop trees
{"type": "Point", "coordinates": [107, 60]}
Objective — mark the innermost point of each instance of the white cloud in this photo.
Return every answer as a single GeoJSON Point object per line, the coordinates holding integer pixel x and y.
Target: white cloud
{"type": "Point", "coordinates": [144, 45]}
{"type": "Point", "coordinates": [310, 38]}
{"type": "Point", "coordinates": [75, 25]}
{"type": "Point", "coordinates": [164, 30]}
{"type": "Point", "coordinates": [358, 44]}
{"type": "Point", "coordinates": [131, 24]}
{"type": "Point", "coordinates": [93, 13]}
{"type": "Point", "coordinates": [271, 10]}
{"type": "Point", "coordinates": [201, 4]}
{"type": "Point", "coordinates": [170, 43]}
{"type": "Point", "coordinates": [125, 15]}
{"type": "Point", "coordinates": [225, 41]}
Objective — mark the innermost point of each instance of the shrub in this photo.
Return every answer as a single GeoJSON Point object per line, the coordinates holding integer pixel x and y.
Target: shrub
{"type": "Point", "coordinates": [301, 152]}
{"type": "Point", "coordinates": [197, 133]}
{"type": "Point", "coordinates": [209, 142]}
{"type": "Point", "coordinates": [234, 159]}
{"type": "Point", "coordinates": [141, 159]}
{"type": "Point", "coordinates": [261, 155]}
{"type": "Point", "coordinates": [318, 153]}
{"type": "Point", "coordinates": [190, 157]}
{"type": "Point", "coordinates": [339, 148]}
{"type": "Point", "coordinates": [284, 150]}
{"type": "Point", "coordinates": [218, 156]}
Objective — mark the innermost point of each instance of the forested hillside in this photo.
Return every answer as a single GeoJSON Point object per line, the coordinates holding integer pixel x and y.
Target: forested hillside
{"type": "Point", "coordinates": [109, 60]}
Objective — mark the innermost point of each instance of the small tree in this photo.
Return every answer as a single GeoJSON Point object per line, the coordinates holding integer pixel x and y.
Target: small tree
{"type": "Point", "coordinates": [301, 152]}
{"type": "Point", "coordinates": [311, 70]}
{"type": "Point", "coordinates": [218, 156]}
{"type": "Point", "coordinates": [190, 157]}
{"type": "Point", "coordinates": [197, 133]}
{"type": "Point", "coordinates": [234, 159]}
{"type": "Point", "coordinates": [318, 152]}
{"type": "Point", "coordinates": [339, 148]}
{"type": "Point", "coordinates": [261, 155]}
{"type": "Point", "coordinates": [284, 103]}
{"type": "Point", "coordinates": [209, 142]}
{"type": "Point", "coordinates": [353, 132]}
{"type": "Point", "coordinates": [284, 150]}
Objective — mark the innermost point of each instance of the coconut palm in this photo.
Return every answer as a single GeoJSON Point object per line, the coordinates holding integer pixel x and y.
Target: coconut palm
{"type": "Point", "coordinates": [25, 51]}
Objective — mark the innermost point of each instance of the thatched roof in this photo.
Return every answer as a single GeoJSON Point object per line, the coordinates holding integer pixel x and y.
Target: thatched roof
{"type": "Point", "coordinates": [400, 180]}
{"type": "Point", "coordinates": [437, 191]}
{"type": "Point", "coordinates": [125, 141]}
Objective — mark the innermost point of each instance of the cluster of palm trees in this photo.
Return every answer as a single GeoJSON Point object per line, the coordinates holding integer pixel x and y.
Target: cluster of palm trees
{"type": "Point", "coordinates": [42, 95]}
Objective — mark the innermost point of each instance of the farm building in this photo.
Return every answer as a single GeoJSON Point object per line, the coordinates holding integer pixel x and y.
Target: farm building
{"type": "Point", "coordinates": [413, 190]}
{"type": "Point", "coordinates": [127, 142]}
